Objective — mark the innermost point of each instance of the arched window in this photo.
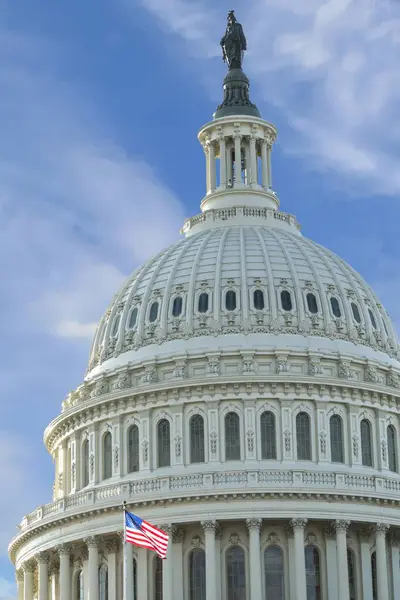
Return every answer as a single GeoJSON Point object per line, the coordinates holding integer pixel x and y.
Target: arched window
{"type": "Point", "coordinates": [286, 300]}
{"type": "Point", "coordinates": [203, 303]}
{"type": "Point", "coordinates": [392, 448]}
{"type": "Point", "coordinates": [79, 586]}
{"type": "Point", "coordinates": [274, 573]}
{"type": "Point", "coordinates": [153, 312]}
{"type": "Point", "coordinates": [116, 325]}
{"type": "Point", "coordinates": [335, 307]}
{"type": "Point", "coordinates": [177, 306]}
{"type": "Point", "coordinates": [356, 312]}
{"type": "Point", "coordinates": [133, 318]}
{"type": "Point", "coordinates": [268, 435]}
{"type": "Point", "coordinates": [197, 439]}
{"type": "Point", "coordinates": [158, 577]}
{"type": "Point", "coordinates": [107, 456]}
{"type": "Point", "coordinates": [103, 583]}
{"type": "Point", "coordinates": [303, 436]}
{"type": "Point", "coordinates": [163, 444]}
{"type": "Point", "coordinates": [232, 436]}
{"type": "Point", "coordinates": [366, 443]}
{"type": "Point", "coordinates": [258, 300]}
{"type": "Point", "coordinates": [372, 318]}
{"type": "Point", "coordinates": [230, 300]}
{"type": "Point", "coordinates": [312, 303]}
{"type": "Point", "coordinates": [133, 449]}
{"type": "Point", "coordinates": [197, 574]}
{"type": "Point", "coordinates": [351, 567]}
{"type": "Point", "coordinates": [336, 435]}
{"type": "Point", "coordinates": [313, 573]}
{"type": "Point", "coordinates": [235, 574]}
{"type": "Point", "coordinates": [374, 577]}
{"type": "Point", "coordinates": [85, 463]}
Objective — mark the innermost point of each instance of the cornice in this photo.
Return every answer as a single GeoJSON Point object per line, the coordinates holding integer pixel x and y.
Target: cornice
{"type": "Point", "coordinates": [331, 498]}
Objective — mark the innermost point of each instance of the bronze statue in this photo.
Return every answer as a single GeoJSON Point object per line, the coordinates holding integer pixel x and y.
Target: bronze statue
{"type": "Point", "coordinates": [233, 43]}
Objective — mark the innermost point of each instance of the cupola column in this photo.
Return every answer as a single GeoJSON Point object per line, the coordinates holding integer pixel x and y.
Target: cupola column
{"type": "Point", "coordinates": [381, 561]}
{"type": "Point", "coordinates": [298, 526]}
{"type": "Point", "coordinates": [254, 526]}
{"type": "Point", "coordinates": [253, 160]}
{"type": "Point", "coordinates": [222, 162]}
{"type": "Point", "coordinates": [238, 159]}
{"type": "Point", "coordinates": [269, 170]}
{"type": "Point", "coordinates": [264, 165]}
{"type": "Point", "coordinates": [341, 553]}
{"type": "Point", "coordinates": [209, 528]}
{"type": "Point", "coordinates": [213, 178]}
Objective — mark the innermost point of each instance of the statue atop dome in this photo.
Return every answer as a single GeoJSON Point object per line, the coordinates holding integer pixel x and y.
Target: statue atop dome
{"type": "Point", "coordinates": [233, 43]}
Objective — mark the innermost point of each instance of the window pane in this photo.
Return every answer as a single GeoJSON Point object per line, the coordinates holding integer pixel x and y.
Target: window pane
{"type": "Point", "coordinates": [133, 318]}
{"type": "Point", "coordinates": [235, 574]}
{"type": "Point", "coordinates": [153, 312]}
{"type": "Point", "coordinates": [366, 443]}
{"type": "Point", "coordinates": [203, 303]}
{"type": "Point", "coordinates": [372, 318]}
{"type": "Point", "coordinates": [163, 443]}
{"type": "Point", "coordinates": [312, 303]}
{"type": "Point", "coordinates": [158, 584]}
{"type": "Point", "coordinates": [177, 306]}
{"type": "Point", "coordinates": [197, 439]}
{"type": "Point", "coordinates": [197, 575]}
{"type": "Point", "coordinates": [103, 583]}
{"type": "Point", "coordinates": [351, 566]}
{"type": "Point", "coordinates": [356, 312]}
{"type": "Point", "coordinates": [133, 449]}
{"type": "Point", "coordinates": [392, 448]}
{"type": "Point", "coordinates": [336, 434]}
{"type": "Point", "coordinates": [274, 573]}
{"type": "Point", "coordinates": [313, 573]}
{"type": "Point", "coordinates": [85, 463]}
{"type": "Point", "coordinates": [268, 435]}
{"type": "Point", "coordinates": [107, 456]}
{"type": "Point", "coordinates": [303, 436]}
{"type": "Point", "coordinates": [232, 437]}
{"type": "Point", "coordinates": [258, 298]}
{"type": "Point", "coordinates": [286, 300]}
{"type": "Point", "coordinates": [230, 300]}
{"type": "Point", "coordinates": [335, 307]}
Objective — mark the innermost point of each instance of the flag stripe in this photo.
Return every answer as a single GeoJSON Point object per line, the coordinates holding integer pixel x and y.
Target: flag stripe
{"type": "Point", "coordinates": [145, 535]}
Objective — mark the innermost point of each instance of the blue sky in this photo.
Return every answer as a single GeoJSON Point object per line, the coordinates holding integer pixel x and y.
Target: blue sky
{"type": "Point", "coordinates": [100, 104]}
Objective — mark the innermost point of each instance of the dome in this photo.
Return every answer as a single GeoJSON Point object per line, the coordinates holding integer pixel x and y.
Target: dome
{"type": "Point", "coordinates": [243, 279]}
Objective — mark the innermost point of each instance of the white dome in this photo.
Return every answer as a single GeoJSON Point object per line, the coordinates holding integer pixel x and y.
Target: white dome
{"type": "Point", "coordinates": [329, 299]}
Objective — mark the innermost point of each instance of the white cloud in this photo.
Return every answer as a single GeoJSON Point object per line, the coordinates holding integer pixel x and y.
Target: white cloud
{"type": "Point", "coordinates": [331, 66]}
{"type": "Point", "coordinates": [7, 590]}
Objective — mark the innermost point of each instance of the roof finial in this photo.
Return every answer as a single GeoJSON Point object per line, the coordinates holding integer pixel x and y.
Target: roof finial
{"type": "Point", "coordinates": [233, 42]}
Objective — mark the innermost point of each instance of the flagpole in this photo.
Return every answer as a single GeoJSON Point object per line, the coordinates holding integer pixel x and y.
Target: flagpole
{"type": "Point", "coordinates": [125, 570]}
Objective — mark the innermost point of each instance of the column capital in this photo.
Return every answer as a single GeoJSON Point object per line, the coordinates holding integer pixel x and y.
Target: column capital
{"type": "Point", "coordinates": [381, 528]}
{"type": "Point", "coordinates": [169, 528]}
{"type": "Point", "coordinates": [28, 566]}
{"type": "Point", "coordinates": [341, 526]}
{"type": "Point", "coordinates": [42, 558]}
{"type": "Point", "coordinates": [178, 535]}
{"type": "Point", "coordinates": [254, 523]}
{"type": "Point", "coordinates": [364, 534]}
{"type": "Point", "coordinates": [63, 549]}
{"type": "Point", "coordinates": [394, 538]}
{"type": "Point", "coordinates": [298, 523]}
{"type": "Point", "coordinates": [19, 575]}
{"type": "Point", "coordinates": [209, 525]}
{"type": "Point", "coordinates": [92, 541]}
{"type": "Point", "coordinates": [53, 567]}
{"type": "Point", "coordinates": [112, 546]}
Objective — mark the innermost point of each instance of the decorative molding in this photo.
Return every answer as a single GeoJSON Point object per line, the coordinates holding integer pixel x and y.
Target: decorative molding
{"type": "Point", "coordinates": [254, 523]}
{"type": "Point", "coordinates": [341, 526]}
{"type": "Point", "coordinates": [298, 523]}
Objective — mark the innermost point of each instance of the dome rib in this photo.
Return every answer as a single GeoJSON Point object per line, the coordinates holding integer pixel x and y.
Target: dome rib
{"type": "Point", "coordinates": [271, 287]}
{"type": "Point", "coordinates": [244, 304]}
{"type": "Point", "coordinates": [193, 279]}
{"type": "Point", "coordinates": [218, 277]}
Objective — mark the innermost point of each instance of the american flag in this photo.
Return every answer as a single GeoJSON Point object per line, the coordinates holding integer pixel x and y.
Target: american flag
{"type": "Point", "coordinates": [144, 534]}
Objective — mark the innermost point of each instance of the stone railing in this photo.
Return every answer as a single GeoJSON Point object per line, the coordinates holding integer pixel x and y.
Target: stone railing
{"type": "Point", "coordinates": [158, 488]}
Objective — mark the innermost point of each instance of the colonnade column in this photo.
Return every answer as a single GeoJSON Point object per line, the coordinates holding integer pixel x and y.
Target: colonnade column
{"type": "Point", "coordinates": [238, 158]}
{"type": "Point", "coordinates": [167, 571]}
{"type": "Point", "coordinates": [112, 548]}
{"type": "Point", "coordinates": [93, 568]}
{"type": "Point", "coordinates": [210, 528]}
{"type": "Point", "coordinates": [142, 575]}
{"type": "Point", "coordinates": [28, 580]}
{"type": "Point", "coordinates": [254, 526]}
{"type": "Point", "coordinates": [264, 165]}
{"type": "Point", "coordinates": [65, 572]}
{"type": "Point", "coordinates": [395, 560]}
{"type": "Point", "coordinates": [54, 570]}
{"type": "Point", "coordinates": [43, 575]}
{"type": "Point", "coordinates": [222, 162]}
{"type": "Point", "coordinates": [253, 160]}
{"type": "Point", "coordinates": [298, 526]}
{"type": "Point", "coordinates": [341, 528]}
{"type": "Point", "coordinates": [178, 536]}
{"type": "Point", "coordinates": [366, 572]}
{"type": "Point", "coordinates": [19, 576]}
{"type": "Point", "coordinates": [381, 561]}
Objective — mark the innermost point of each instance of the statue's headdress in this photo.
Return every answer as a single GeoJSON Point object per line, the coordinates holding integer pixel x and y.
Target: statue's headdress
{"type": "Point", "coordinates": [231, 13]}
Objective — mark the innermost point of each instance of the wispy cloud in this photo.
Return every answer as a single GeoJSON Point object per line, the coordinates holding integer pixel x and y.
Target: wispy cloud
{"type": "Point", "coordinates": [330, 66]}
